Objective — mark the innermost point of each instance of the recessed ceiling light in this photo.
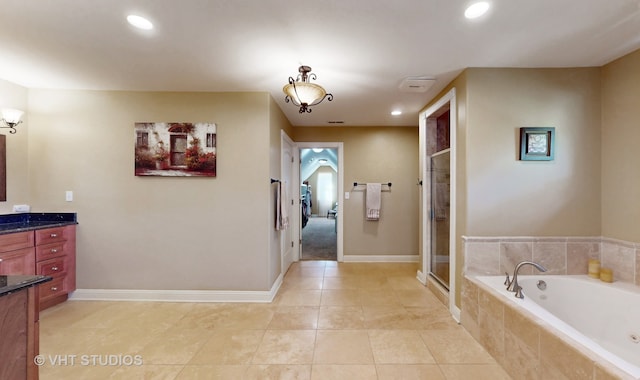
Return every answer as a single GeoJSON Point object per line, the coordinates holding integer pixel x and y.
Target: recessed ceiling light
{"type": "Point", "coordinates": [396, 113]}
{"type": "Point", "coordinates": [140, 22]}
{"type": "Point", "coordinates": [476, 10]}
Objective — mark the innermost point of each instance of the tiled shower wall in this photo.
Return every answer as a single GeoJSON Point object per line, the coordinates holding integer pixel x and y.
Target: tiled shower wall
{"type": "Point", "coordinates": [560, 255]}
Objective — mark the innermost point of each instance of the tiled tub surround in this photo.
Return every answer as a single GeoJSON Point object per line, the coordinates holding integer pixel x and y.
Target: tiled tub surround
{"type": "Point", "coordinates": [525, 346]}
{"type": "Point", "coordinates": [560, 255]}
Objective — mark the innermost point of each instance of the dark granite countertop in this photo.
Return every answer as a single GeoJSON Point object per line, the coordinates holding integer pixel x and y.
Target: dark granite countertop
{"type": "Point", "coordinates": [14, 283]}
{"type": "Point", "coordinates": [11, 223]}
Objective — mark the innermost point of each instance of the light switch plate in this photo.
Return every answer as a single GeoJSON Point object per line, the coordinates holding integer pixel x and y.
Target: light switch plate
{"type": "Point", "coordinates": [346, 195]}
{"type": "Point", "coordinates": [68, 195]}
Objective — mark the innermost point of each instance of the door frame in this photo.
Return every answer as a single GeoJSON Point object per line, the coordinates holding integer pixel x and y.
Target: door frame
{"type": "Point", "coordinates": [425, 265]}
{"type": "Point", "coordinates": [294, 217]}
{"type": "Point", "coordinates": [340, 217]}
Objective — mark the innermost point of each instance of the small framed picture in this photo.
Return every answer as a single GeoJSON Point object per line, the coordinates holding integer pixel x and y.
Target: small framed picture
{"type": "Point", "coordinates": [536, 143]}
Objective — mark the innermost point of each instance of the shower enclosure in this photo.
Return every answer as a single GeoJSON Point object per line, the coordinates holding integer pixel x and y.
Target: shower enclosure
{"type": "Point", "coordinates": [439, 199]}
{"type": "Point", "coordinates": [440, 212]}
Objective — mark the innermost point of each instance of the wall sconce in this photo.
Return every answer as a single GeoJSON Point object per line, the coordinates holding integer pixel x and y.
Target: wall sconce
{"type": "Point", "coordinates": [11, 118]}
{"type": "Point", "coordinates": [303, 93]}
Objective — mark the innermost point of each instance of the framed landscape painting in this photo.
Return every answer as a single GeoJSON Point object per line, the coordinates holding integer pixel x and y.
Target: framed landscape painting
{"type": "Point", "coordinates": [175, 149]}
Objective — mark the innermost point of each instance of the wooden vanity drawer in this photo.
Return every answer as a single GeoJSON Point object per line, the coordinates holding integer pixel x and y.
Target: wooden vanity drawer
{"type": "Point", "coordinates": [50, 235]}
{"type": "Point", "coordinates": [51, 267]}
{"type": "Point", "coordinates": [49, 251]}
{"type": "Point", "coordinates": [20, 261]}
{"type": "Point", "coordinates": [18, 240]}
{"type": "Point", "coordinates": [52, 288]}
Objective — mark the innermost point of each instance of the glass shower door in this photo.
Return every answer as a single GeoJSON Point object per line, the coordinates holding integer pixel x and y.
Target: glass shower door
{"type": "Point", "coordinates": [440, 213]}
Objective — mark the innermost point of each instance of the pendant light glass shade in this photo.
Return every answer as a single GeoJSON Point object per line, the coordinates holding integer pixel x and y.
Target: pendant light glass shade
{"type": "Point", "coordinates": [11, 118]}
{"type": "Point", "coordinates": [11, 115]}
{"type": "Point", "coordinates": [303, 93]}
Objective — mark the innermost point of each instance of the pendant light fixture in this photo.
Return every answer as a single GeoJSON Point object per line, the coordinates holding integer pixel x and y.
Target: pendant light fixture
{"type": "Point", "coordinates": [11, 118]}
{"type": "Point", "coordinates": [304, 94]}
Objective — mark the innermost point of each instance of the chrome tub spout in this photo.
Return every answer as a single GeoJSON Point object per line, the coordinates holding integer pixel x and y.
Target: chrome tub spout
{"type": "Point", "coordinates": [512, 285]}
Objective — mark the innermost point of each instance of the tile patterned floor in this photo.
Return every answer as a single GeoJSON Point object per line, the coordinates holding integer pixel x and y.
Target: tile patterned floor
{"type": "Point", "coordinates": [329, 321]}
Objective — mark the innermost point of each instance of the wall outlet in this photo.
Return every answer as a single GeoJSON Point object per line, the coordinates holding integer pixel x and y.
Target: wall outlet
{"type": "Point", "coordinates": [68, 196]}
{"type": "Point", "coordinates": [21, 208]}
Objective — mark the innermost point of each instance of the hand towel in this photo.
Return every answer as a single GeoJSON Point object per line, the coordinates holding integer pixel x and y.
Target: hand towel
{"type": "Point", "coordinates": [373, 201]}
{"type": "Point", "coordinates": [282, 216]}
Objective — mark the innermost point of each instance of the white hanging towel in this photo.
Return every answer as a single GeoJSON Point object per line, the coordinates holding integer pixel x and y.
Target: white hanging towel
{"type": "Point", "coordinates": [282, 216]}
{"type": "Point", "coordinates": [373, 201]}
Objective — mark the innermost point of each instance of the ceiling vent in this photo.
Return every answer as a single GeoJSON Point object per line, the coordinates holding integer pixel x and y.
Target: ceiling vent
{"type": "Point", "coordinates": [416, 84]}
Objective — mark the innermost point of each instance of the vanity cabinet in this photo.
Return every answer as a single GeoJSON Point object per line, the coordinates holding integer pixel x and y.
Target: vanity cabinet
{"type": "Point", "coordinates": [19, 325]}
{"type": "Point", "coordinates": [48, 252]}
{"type": "Point", "coordinates": [17, 253]}
{"type": "Point", "coordinates": [55, 255]}
{"type": "Point", "coordinates": [37, 270]}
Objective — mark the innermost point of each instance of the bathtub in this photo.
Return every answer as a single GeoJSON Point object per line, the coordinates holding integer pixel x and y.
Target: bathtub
{"type": "Point", "coordinates": [604, 318]}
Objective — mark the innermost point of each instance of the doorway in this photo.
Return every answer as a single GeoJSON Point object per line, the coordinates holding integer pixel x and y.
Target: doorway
{"type": "Point", "coordinates": [178, 148]}
{"type": "Point", "coordinates": [320, 178]}
{"type": "Point", "coordinates": [438, 216]}
{"type": "Point", "coordinates": [319, 199]}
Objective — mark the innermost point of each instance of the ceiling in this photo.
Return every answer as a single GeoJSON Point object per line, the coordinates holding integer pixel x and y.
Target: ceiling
{"type": "Point", "coordinates": [360, 50]}
{"type": "Point", "coordinates": [312, 159]}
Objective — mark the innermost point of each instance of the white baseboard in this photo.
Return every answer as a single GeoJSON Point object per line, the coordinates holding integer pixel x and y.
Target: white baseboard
{"type": "Point", "coordinates": [177, 295]}
{"type": "Point", "coordinates": [422, 277]}
{"type": "Point", "coordinates": [381, 258]}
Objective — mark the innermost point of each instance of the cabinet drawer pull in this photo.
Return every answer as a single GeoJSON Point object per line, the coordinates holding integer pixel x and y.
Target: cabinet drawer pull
{"type": "Point", "coordinates": [54, 268]}
{"type": "Point", "coordinates": [54, 250]}
{"type": "Point", "coordinates": [54, 235]}
{"type": "Point", "coordinates": [54, 288]}
{"type": "Point", "coordinates": [0, 260]}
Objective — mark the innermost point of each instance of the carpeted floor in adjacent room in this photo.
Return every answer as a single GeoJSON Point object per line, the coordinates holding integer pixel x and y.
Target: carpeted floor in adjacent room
{"type": "Point", "coordinates": [319, 239]}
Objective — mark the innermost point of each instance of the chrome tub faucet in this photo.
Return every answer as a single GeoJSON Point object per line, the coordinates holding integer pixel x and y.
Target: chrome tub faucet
{"type": "Point", "coordinates": [512, 285]}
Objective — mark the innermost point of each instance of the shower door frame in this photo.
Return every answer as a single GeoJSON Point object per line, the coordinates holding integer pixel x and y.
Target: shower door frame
{"type": "Point", "coordinates": [425, 220]}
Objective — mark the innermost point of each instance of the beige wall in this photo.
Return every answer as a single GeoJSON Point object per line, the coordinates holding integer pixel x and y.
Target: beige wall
{"type": "Point", "coordinates": [508, 197]}
{"type": "Point", "coordinates": [14, 96]}
{"type": "Point", "coordinates": [620, 159]}
{"type": "Point", "coordinates": [376, 154]}
{"type": "Point", "coordinates": [498, 195]}
{"type": "Point", "coordinates": [156, 232]}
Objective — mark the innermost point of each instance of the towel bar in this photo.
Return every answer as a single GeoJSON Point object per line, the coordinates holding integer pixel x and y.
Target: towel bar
{"type": "Point", "coordinates": [362, 184]}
